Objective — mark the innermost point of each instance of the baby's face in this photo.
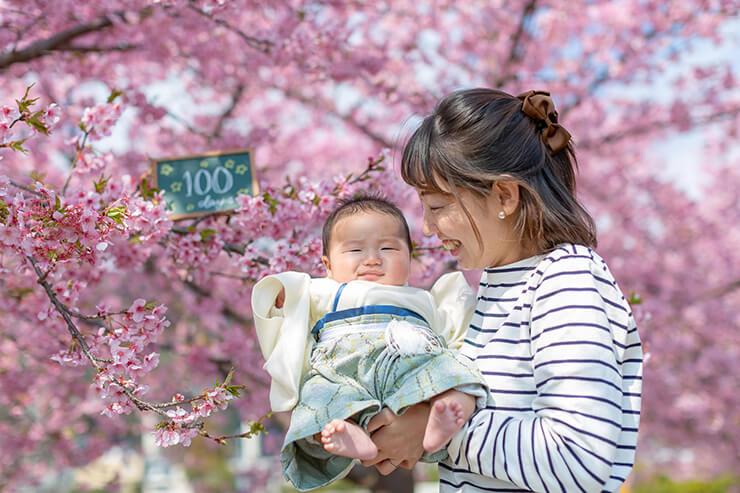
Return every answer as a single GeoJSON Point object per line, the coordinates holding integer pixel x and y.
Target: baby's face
{"type": "Point", "coordinates": [368, 246]}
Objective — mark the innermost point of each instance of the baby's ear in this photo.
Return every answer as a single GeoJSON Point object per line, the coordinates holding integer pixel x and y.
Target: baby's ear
{"type": "Point", "coordinates": [327, 265]}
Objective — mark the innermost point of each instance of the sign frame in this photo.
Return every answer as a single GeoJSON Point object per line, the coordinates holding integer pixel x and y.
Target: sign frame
{"type": "Point", "coordinates": [154, 174]}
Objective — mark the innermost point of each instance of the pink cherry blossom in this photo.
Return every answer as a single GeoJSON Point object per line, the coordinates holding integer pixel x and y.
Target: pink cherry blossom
{"type": "Point", "coordinates": [137, 310]}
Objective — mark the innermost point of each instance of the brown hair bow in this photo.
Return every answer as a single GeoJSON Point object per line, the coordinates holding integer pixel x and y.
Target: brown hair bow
{"type": "Point", "coordinates": [538, 105]}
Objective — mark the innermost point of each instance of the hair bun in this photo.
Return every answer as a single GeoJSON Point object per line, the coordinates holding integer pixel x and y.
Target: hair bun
{"type": "Point", "coordinates": [538, 105]}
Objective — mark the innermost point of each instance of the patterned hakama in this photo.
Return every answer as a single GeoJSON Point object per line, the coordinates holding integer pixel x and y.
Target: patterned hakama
{"type": "Point", "coordinates": [366, 359]}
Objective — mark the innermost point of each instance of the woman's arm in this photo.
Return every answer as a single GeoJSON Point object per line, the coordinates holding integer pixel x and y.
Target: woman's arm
{"type": "Point", "coordinates": [586, 363]}
{"type": "Point", "coordinates": [398, 438]}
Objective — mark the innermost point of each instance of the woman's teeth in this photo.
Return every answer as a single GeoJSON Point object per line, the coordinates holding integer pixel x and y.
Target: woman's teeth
{"type": "Point", "coordinates": [450, 244]}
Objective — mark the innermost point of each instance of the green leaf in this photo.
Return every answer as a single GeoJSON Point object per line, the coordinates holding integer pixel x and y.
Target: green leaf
{"type": "Point", "coordinates": [117, 214]}
{"type": "Point", "coordinates": [24, 105]}
{"type": "Point", "coordinates": [635, 299]}
{"type": "Point", "coordinates": [229, 376]}
{"type": "Point", "coordinates": [39, 177]}
{"type": "Point", "coordinates": [19, 293]}
{"type": "Point", "coordinates": [256, 427]}
{"type": "Point", "coordinates": [28, 89]}
{"type": "Point", "coordinates": [146, 190]}
{"type": "Point", "coordinates": [150, 305]}
{"type": "Point", "coordinates": [100, 184]}
{"type": "Point", "coordinates": [233, 390]}
{"type": "Point", "coordinates": [18, 145]}
{"type": "Point", "coordinates": [114, 94]}
{"type": "Point", "coordinates": [205, 234]}
{"type": "Point", "coordinates": [271, 201]}
{"type": "Point", "coordinates": [33, 121]}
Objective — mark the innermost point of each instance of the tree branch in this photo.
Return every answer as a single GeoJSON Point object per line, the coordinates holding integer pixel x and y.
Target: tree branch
{"type": "Point", "coordinates": [516, 53]}
{"type": "Point", "coordinates": [314, 103]}
{"type": "Point", "coordinates": [226, 311]}
{"type": "Point", "coordinates": [62, 309]}
{"type": "Point", "coordinates": [61, 41]}
{"type": "Point", "coordinates": [98, 49]}
{"type": "Point", "coordinates": [66, 314]}
{"type": "Point", "coordinates": [225, 364]}
{"type": "Point", "coordinates": [720, 291]}
{"type": "Point", "coordinates": [25, 188]}
{"type": "Point", "coordinates": [602, 78]}
{"type": "Point", "coordinates": [24, 30]}
{"type": "Point", "coordinates": [262, 45]}
{"type": "Point", "coordinates": [219, 125]}
{"type": "Point", "coordinates": [227, 114]}
{"type": "Point", "coordinates": [44, 47]}
{"type": "Point", "coordinates": [643, 129]}
{"type": "Point", "coordinates": [188, 126]}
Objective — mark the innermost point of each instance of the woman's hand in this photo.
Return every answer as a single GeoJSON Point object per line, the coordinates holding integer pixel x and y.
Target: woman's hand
{"type": "Point", "coordinates": [398, 438]}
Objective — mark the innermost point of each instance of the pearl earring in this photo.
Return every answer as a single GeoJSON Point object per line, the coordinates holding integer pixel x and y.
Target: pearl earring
{"type": "Point", "coordinates": [502, 215]}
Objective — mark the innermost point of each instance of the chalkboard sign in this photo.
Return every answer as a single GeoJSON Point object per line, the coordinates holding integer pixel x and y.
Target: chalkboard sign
{"type": "Point", "coordinates": [204, 183]}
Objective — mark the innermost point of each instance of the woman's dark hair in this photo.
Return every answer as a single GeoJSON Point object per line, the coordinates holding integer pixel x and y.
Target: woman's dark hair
{"type": "Point", "coordinates": [478, 136]}
{"type": "Point", "coordinates": [363, 203]}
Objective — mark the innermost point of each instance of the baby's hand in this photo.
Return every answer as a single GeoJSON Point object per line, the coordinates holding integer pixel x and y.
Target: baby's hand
{"type": "Point", "coordinates": [280, 298]}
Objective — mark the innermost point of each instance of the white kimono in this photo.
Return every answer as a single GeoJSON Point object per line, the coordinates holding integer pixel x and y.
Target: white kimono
{"type": "Point", "coordinates": [285, 334]}
{"type": "Point", "coordinates": [378, 346]}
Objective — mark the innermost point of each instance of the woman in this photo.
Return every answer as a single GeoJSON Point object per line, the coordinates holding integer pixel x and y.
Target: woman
{"type": "Point", "coordinates": [552, 333]}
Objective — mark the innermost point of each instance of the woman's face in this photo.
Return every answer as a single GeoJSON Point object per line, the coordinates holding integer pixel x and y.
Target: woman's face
{"type": "Point", "coordinates": [444, 217]}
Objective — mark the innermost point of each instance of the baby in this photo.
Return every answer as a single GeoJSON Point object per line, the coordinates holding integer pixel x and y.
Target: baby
{"type": "Point", "coordinates": [341, 348]}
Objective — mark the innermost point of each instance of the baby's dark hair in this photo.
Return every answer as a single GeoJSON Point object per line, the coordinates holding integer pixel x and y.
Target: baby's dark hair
{"type": "Point", "coordinates": [476, 137]}
{"type": "Point", "coordinates": [365, 202]}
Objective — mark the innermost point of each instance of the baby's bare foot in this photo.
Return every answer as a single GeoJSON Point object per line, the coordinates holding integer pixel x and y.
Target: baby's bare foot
{"type": "Point", "coordinates": [348, 440]}
{"type": "Point", "coordinates": [445, 419]}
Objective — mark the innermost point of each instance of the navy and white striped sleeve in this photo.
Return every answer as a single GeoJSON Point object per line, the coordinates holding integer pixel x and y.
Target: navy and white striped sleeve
{"type": "Point", "coordinates": [570, 441]}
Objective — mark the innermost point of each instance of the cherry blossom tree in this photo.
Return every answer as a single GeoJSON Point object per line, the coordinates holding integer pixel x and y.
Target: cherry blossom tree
{"type": "Point", "coordinates": [110, 309]}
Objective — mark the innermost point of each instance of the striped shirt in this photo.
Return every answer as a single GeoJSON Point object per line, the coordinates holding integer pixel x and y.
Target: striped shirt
{"type": "Point", "coordinates": [556, 342]}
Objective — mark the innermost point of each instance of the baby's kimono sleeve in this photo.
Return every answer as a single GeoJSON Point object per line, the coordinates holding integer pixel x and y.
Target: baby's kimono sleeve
{"type": "Point", "coordinates": [283, 334]}
{"type": "Point", "coordinates": [455, 302]}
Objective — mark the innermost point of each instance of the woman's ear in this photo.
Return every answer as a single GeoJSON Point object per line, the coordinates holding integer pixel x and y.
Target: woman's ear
{"type": "Point", "coordinates": [508, 195]}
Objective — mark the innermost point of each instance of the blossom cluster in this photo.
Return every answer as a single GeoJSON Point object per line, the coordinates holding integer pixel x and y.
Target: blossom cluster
{"type": "Point", "coordinates": [182, 426]}
{"type": "Point", "coordinates": [55, 230]}
{"type": "Point", "coordinates": [67, 237]}
{"type": "Point", "coordinates": [38, 121]}
{"type": "Point", "coordinates": [98, 120]}
{"type": "Point", "coordinates": [292, 217]}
